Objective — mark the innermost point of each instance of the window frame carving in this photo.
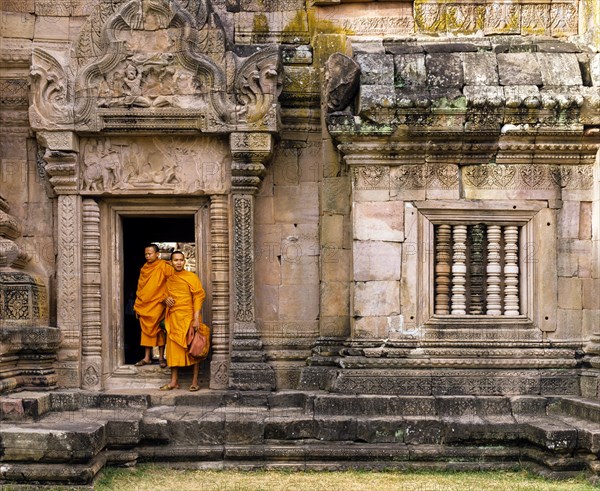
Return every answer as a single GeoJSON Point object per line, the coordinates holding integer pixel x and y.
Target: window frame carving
{"type": "Point", "coordinates": [537, 261]}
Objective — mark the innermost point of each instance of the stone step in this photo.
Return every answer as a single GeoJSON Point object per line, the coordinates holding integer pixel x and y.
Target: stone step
{"type": "Point", "coordinates": [577, 407]}
{"type": "Point", "coordinates": [212, 429]}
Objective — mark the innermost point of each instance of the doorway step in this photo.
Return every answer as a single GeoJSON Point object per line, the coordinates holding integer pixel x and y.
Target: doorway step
{"type": "Point", "coordinates": [66, 437]}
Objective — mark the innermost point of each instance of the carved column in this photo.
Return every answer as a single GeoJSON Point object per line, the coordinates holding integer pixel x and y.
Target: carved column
{"type": "Point", "coordinates": [248, 370]}
{"type": "Point", "coordinates": [459, 270]}
{"type": "Point", "coordinates": [91, 298]}
{"type": "Point", "coordinates": [443, 267]}
{"type": "Point", "coordinates": [511, 271]}
{"type": "Point", "coordinates": [477, 271]}
{"type": "Point", "coordinates": [219, 365]}
{"type": "Point", "coordinates": [61, 167]}
{"type": "Point", "coordinates": [494, 271]}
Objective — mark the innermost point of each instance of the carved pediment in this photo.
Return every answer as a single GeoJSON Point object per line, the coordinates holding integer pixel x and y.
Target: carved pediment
{"type": "Point", "coordinates": [156, 64]}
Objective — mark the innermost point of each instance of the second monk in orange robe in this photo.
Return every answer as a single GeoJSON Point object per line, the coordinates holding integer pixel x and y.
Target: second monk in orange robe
{"type": "Point", "coordinates": [184, 303]}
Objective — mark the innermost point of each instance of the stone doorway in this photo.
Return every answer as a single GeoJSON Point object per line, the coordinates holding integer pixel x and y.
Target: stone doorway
{"type": "Point", "coordinates": [131, 224]}
{"type": "Point", "coordinates": [169, 233]}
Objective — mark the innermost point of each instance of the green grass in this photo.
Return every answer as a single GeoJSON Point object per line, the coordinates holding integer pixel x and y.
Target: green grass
{"type": "Point", "coordinates": [151, 478]}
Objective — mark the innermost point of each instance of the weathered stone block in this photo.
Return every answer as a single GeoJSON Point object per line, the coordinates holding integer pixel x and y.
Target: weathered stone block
{"type": "Point", "coordinates": [377, 102]}
{"type": "Point", "coordinates": [74, 442]}
{"type": "Point", "coordinates": [444, 70]}
{"type": "Point", "coordinates": [595, 69]}
{"type": "Point", "coordinates": [335, 299]}
{"type": "Point", "coordinates": [569, 293]}
{"type": "Point", "coordinates": [559, 69]}
{"type": "Point", "coordinates": [423, 430]}
{"type": "Point", "coordinates": [410, 71]}
{"type": "Point", "coordinates": [379, 327]}
{"type": "Point", "coordinates": [480, 69]}
{"type": "Point", "coordinates": [335, 264]}
{"type": "Point", "coordinates": [377, 430]}
{"type": "Point", "coordinates": [332, 231]}
{"type": "Point", "coordinates": [300, 427]}
{"type": "Point", "coordinates": [376, 69]}
{"type": "Point", "coordinates": [379, 221]}
{"type": "Point", "coordinates": [52, 28]}
{"type": "Point", "coordinates": [17, 25]}
{"type": "Point", "coordinates": [299, 303]}
{"type": "Point", "coordinates": [285, 168]}
{"type": "Point", "coordinates": [568, 220]}
{"type": "Point", "coordinates": [267, 302]}
{"type": "Point", "coordinates": [299, 270]}
{"type": "Point", "coordinates": [335, 195]}
{"type": "Point", "coordinates": [296, 204]}
{"type": "Point", "coordinates": [376, 260]}
{"type": "Point", "coordinates": [590, 321]}
{"type": "Point", "coordinates": [519, 69]}
{"type": "Point", "coordinates": [376, 298]}
{"type": "Point", "coordinates": [334, 326]}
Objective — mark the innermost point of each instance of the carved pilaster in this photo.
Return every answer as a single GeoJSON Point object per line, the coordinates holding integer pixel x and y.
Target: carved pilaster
{"type": "Point", "coordinates": [91, 297]}
{"type": "Point", "coordinates": [61, 167]}
{"type": "Point", "coordinates": [219, 365]}
{"type": "Point", "coordinates": [249, 370]}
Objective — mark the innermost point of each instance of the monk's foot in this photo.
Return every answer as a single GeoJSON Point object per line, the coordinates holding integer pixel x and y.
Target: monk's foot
{"type": "Point", "coordinates": [169, 387]}
{"type": "Point", "coordinates": [163, 363]}
{"type": "Point", "coordinates": [143, 362]}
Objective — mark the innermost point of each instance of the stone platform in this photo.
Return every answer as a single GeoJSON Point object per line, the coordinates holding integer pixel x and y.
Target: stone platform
{"type": "Point", "coordinates": [65, 438]}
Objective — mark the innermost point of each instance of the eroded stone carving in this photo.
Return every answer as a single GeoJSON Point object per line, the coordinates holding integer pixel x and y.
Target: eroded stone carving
{"type": "Point", "coordinates": [342, 76]}
{"type": "Point", "coordinates": [161, 165]}
{"type": "Point", "coordinates": [155, 64]}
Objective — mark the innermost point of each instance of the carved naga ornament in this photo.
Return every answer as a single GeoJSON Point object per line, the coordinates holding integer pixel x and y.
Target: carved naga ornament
{"type": "Point", "coordinates": [155, 64]}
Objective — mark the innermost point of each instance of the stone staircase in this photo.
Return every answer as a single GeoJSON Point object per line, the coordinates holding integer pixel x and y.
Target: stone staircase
{"type": "Point", "coordinates": [66, 437]}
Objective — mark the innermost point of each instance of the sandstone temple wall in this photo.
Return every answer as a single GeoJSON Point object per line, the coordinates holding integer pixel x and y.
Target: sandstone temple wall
{"type": "Point", "coordinates": [347, 160]}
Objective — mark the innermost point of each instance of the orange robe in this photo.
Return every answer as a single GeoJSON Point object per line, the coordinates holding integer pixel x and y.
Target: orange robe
{"type": "Point", "coordinates": [187, 292]}
{"type": "Point", "coordinates": [150, 294]}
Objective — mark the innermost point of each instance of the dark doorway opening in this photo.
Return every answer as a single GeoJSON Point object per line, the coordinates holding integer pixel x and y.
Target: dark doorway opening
{"type": "Point", "coordinates": [137, 233]}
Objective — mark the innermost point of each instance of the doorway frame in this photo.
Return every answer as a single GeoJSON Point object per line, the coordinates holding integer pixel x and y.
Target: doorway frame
{"type": "Point", "coordinates": [116, 373]}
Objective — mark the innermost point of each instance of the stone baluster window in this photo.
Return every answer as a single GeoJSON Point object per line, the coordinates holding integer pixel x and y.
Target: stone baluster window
{"type": "Point", "coordinates": [476, 269]}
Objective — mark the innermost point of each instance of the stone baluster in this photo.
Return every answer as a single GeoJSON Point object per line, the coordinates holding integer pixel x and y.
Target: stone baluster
{"type": "Point", "coordinates": [459, 270]}
{"type": "Point", "coordinates": [477, 270]}
{"type": "Point", "coordinates": [443, 268]}
{"type": "Point", "coordinates": [248, 369]}
{"type": "Point", "coordinates": [511, 271]}
{"type": "Point", "coordinates": [219, 365]}
{"type": "Point", "coordinates": [494, 271]}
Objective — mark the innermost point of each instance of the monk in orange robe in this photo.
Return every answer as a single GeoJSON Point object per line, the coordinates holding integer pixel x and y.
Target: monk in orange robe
{"type": "Point", "coordinates": [184, 303]}
{"type": "Point", "coordinates": [149, 304]}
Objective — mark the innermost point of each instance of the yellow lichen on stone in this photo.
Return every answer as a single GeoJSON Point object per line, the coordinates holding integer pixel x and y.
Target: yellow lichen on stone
{"type": "Point", "coordinates": [260, 24]}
